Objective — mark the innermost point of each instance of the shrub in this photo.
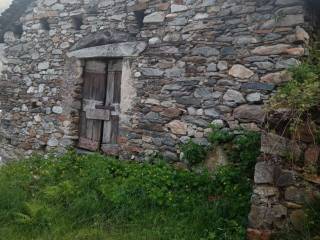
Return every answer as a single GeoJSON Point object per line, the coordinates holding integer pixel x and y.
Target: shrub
{"type": "Point", "coordinates": [193, 153]}
{"type": "Point", "coordinates": [94, 197]}
{"type": "Point", "coordinates": [219, 136]}
{"type": "Point", "coordinates": [245, 151]}
{"type": "Point", "coordinates": [301, 95]}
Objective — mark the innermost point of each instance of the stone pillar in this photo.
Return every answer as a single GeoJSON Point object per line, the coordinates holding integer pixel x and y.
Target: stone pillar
{"type": "Point", "coordinates": [281, 189]}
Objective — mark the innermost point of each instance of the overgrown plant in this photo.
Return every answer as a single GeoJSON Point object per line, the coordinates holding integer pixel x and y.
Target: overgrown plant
{"type": "Point", "coordinates": [243, 148]}
{"type": "Point", "coordinates": [300, 96]}
{"type": "Point", "coordinates": [193, 153]}
{"type": "Point", "coordinates": [97, 198]}
{"type": "Point", "coordinates": [219, 136]}
{"type": "Point", "coordinates": [245, 151]}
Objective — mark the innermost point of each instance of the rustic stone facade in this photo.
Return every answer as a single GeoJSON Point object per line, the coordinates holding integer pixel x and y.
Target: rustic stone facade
{"type": "Point", "coordinates": [287, 173]}
{"type": "Point", "coordinates": [202, 60]}
{"type": "Point", "coordinates": [186, 63]}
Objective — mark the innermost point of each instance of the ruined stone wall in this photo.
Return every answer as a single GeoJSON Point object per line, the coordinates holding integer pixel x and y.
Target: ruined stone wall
{"type": "Point", "coordinates": [287, 173]}
{"type": "Point", "coordinates": [205, 60]}
{"type": "Point", "coordinates": [286, 181]}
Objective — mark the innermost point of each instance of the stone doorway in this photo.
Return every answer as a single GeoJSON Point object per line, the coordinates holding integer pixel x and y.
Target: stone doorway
{"type": "Point", "coordinates": [101, 97]}
{"type": "Point", "coordinates": [111, 125]}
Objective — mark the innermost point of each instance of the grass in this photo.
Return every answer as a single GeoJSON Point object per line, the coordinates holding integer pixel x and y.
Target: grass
{"type": "Point", "coordinates": [93, 197]}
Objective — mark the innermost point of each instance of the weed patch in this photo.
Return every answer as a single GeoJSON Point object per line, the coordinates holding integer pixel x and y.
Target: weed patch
{"type": "Point", "coordinates": [95, 197]}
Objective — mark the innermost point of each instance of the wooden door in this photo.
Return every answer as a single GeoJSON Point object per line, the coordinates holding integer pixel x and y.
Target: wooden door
{"type": "Point", "coordinates": [93, 94]}
{"type": "Point", "coordinates": [99, 124]}
{"type": "Point", "coordinates": [112, 102]}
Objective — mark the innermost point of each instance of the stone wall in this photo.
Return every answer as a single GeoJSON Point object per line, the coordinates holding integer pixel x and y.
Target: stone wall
{"type": "Point", "coordinates": [286, 179]}
{"type": "Point", "coordinates": [287, 173]}
{"type": "Point", "coordinates": [204, 60]}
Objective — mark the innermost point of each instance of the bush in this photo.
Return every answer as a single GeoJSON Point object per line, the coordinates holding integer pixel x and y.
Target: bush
{"type": "Point", "coordinates": [245, 151]}
{"type": "Point", "coordinates": [94, 197]}
{"type": "Point", "coordinates": [219, 136]}
{"type": "Point", "coordinates": [301, 95]}
{"type": "Point", "coordinates": [193, 153]}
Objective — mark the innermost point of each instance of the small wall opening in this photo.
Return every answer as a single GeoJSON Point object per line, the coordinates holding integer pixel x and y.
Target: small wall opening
{"type": "Point", "coordinates": [18, 30]}
{"type": "Point", "coordinates": [77, 22]}
{"type": "Point", "coordinates": [93, 9]}
{"type": "Point", "coordinates": [313, 16]}
{"type": "Point", "coordinates": [140, 14]}
{"type": "Point", "coordinates": [45, 25]}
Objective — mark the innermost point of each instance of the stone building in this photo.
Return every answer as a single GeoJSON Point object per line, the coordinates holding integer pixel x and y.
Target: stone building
{"type": "Point", "coordinates": [133, 77]}
{"type": "Point", "coordinates": [164, 71]}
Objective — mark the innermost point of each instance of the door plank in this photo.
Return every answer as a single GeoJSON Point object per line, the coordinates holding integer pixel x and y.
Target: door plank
{"type": "Point", "coordinates": [116, 101]}
{"type": "Point", "coordinates": [98, 114]}
{"type": "Point", "coordinates": [107, 125]}
{"type": "Point", "coordinates": [113, 98]}
{"type": "Point", "coordinates": [94, 90]}
{"type": "Point", "coordinates": [88, 104]}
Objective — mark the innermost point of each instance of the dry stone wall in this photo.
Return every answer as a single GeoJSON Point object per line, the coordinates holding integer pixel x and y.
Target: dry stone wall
{"type": "Point", "coordinates": [287, 173]}
{"type": "Point", "coordinates": [286, 180]}
{"type": "Point", "coordinates": [204, 61]}
{"type": "Point", "coordinates": [197, 62]}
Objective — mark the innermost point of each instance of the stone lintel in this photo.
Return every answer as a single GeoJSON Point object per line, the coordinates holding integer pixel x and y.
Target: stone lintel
{"type": "Point", "coordinates": [126, 49]}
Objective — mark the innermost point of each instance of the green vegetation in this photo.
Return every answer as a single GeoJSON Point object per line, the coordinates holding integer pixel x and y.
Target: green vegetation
{"type": "Point", "coordinates": [219, 136]}
{"type": "Point", "coordinates": [193, 153]}
{"type": "Point", "coordinates": [242, 148]}
{"type": "Point", "coordinates": [88, 197]}
{"type": "Point", "coordinates": [301, 95]}
{"type": "Point", "coordinates": [244, 152]}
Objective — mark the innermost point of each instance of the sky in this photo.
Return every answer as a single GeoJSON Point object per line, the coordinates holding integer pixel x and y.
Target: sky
{"type": "Point", "coordinates": [4, 4]}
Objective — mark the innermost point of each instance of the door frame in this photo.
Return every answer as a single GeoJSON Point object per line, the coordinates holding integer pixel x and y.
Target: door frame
{"type": "Point", "coordinates": [127, 52]}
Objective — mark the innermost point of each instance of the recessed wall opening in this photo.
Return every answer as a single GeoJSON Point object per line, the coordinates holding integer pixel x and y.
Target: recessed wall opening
{"type": "Point", "coordinates": [45, 25]}
{"type": "Point", "coordinates": [18, 30]}
{"type": "Point", "coordinates": [101, 95]}
{"type": "Point", "coordinates": [77, 22]}
{"type": "Point", "coordinates": [140, 14]}
{"type": "Point", "coordinates": [93, 9]}
{"type": "Point", "coordinates": [313, 17]}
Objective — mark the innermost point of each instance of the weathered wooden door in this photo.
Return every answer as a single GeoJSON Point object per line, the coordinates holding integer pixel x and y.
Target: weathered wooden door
{"type": "Point", "coordinates": [99, 125]}
{"type": "Point", "coordinates": [112, 102]}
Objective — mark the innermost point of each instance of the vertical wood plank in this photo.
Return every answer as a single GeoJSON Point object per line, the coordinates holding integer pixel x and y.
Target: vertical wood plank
{"type": "Point", "coordinates": [113, 96]}
{"type": "Point", "coordinates": [116, 100]}
{"type": "Point", "coordinates": [94, 88]}
{"type": "Point", "coordinates": [107, 128]}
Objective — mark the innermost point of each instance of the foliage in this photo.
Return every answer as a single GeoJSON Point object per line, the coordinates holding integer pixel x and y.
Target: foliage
{"type": "Point", "coordinates": [94, 197]}
{"type": "Point", "coordinates": [301, 95]}
{"type": "Point", "coordinates": [245, 150]}
{"type": "Point", "coordinates": [193, 153]}
{"type": "Point", "coordinates": [219, 136]}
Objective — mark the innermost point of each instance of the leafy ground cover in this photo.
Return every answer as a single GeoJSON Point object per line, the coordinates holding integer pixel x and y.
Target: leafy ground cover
{"type": "Point", "coordinates": [93, 197]}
